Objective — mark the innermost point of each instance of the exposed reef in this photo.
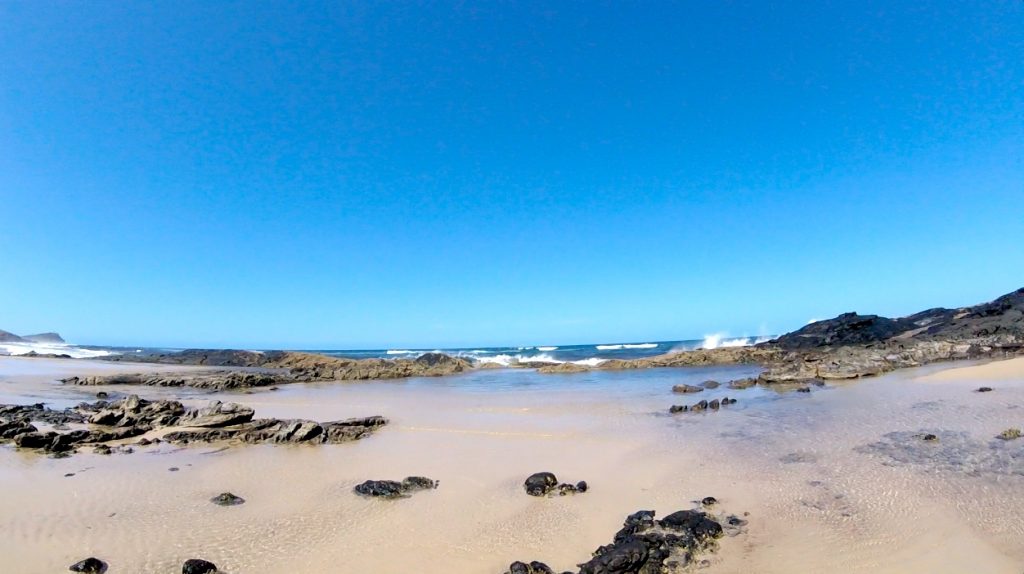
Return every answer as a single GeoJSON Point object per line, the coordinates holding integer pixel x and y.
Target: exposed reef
{"type": "Point", "coordinates": [103, 424]}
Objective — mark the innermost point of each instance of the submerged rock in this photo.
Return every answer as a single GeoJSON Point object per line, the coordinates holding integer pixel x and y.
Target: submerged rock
{"type": "Point", "coordinates": [741, 384]}
{"type": "Point", "coordinates": [393, 488]}
{"type": "Point", "coordinates": [90, 565]}
{"type": "Point", "coordinates": [686, 389]}
{"type": "Point", "coordinates": [710, 384]}
{"type": "Point", "coordinates": [1010, 434]}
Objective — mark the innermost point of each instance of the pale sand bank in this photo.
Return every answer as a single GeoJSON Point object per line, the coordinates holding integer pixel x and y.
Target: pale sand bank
{"type": "Point", "coordinates": [820, 499]}
{"type": "Point", "coordinates": [1007, 370]}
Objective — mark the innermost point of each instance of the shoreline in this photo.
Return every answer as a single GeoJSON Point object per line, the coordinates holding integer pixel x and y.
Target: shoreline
{"type": "Point", "coordinates": [841, 504]}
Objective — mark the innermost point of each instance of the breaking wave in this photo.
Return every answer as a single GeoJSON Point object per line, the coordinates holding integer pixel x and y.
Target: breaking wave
{"type": "Point", "coordinates": [721, 340]}
{"type": "Point", "coordinates": [626, 346]}
{"type": "Point", "coordinates": [507, 360]}
{"type": "Point", "coordinates": [51, 349]}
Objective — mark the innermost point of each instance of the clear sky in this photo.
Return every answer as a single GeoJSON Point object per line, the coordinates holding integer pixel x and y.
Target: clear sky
{"type": "Point", "coordinates": [366, 175]}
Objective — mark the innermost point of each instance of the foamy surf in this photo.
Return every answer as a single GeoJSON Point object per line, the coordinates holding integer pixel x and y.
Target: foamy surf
{"type": "Point", "coordinates": [25, 348]}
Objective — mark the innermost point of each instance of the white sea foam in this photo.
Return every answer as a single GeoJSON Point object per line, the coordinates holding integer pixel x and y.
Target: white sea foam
{"type": "Point", "coordinates": [400, 352]}
{"type": "Point", "coordinates": [507, 360]}
{"type": "Point", "coordinates": [546, 348]}
{"type": "Point", "coordinates": [51, 349]}
{"type": "Point", "coordinates": [720, 340]}
{"type": "Point", "coordinates": [626, 346]}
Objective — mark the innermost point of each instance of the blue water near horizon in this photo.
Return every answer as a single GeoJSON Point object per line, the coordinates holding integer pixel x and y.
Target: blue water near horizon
{"type": "Point", "coordinates": [590, 354]}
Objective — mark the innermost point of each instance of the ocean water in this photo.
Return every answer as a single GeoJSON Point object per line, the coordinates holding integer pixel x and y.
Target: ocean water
{"type": "Point", "coordinates": [591, 354]}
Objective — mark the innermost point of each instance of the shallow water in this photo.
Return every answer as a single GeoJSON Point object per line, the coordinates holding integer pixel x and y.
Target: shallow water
{"type": "Point", "coordinates": [835, 480]}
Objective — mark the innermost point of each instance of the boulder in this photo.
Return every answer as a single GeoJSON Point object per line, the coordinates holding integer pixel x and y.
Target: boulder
{"type": "Point", "coordinates": [686, 389]}
{"type": "Point", "coordinates": [393, 488]}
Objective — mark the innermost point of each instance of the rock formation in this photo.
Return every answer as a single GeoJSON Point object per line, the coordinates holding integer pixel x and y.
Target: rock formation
{"type": "Point", "coordinates": [105, 422]}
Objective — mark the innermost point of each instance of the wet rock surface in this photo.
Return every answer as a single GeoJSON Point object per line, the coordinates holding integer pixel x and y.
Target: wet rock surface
{"type": "Point", "coordinates": [645, 545]}
{"type": "Point", "coordinates": [702, 406]}
{"type": "Point", "coordinates": [546, 484]}
{"type": "Point", "coordinates": [107, 422]}
{"type": "Point", "coordinates": [394, 488]}
{"type": "Point", "coordinates": [687, 389]}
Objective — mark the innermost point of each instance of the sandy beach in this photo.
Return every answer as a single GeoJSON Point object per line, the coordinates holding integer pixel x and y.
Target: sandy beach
{"type": "Point", "coordinates": [833, 480]}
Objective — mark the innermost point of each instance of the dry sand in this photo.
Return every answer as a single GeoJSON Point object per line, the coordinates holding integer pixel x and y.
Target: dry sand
{"type": "Point", "coordinates": [1006, 370]}
{"type": "Point", "coordinates": [821, 498]}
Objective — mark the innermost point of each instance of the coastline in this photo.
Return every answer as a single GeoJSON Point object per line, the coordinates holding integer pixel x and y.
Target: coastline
{"type": "Point", "coordinates": [814, 505]}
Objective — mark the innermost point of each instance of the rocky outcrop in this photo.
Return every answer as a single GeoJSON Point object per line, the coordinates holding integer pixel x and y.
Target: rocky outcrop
{"type": "Point", "coordinates": [647, 546]}
{"type": "Point", "coordinates": [214, 380]}
{"type": "Point", "coordinates": [563, 368]}
{"type": "Point", "coordinates": [275, 368]}
{"type": "Point", "coordinates": [699, 358]}
{"type": "Point", "coordinates": [393, 488]}
{"type": "Point", "coordinates": [106, 422]}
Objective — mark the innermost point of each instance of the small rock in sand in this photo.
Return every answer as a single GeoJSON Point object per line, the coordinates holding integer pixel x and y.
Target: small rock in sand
{"type": "Point", "coordinates": [198, 566]}
{"type": "Point", "coordinates": [90, 566]}
{"type": "Point", "coordinates": [227, 499]}
{"type": "Point", "coordinates": [984, 389]}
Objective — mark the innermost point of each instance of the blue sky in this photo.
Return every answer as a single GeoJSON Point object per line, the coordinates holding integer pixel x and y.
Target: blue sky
{"type": "Point", "coordinates": [366, 175]}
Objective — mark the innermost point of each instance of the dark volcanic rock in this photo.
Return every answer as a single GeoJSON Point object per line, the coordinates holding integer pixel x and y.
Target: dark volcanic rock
{"type": "Point", "coordinates": [132, 416]}
{"type": "Point", "coordinates": [648, 546]}
{"type": "Point", "coordinates": [89, 565]}
{"type": "Point", "coordinates": [393, 488]}
{"type": "Point", "coordinates": [540, 483]}
{"type": "Point", "coordinates": [846, 329]}
{"type": "Point", "coordinates": [227, 499]}
{"type": "Point", "coordinates": [531, 568]}
{"type": "Point", "coordinates": [545, 483]}
{"type": "Point", "coordinates": [984, 389]}
{"type": "Point", "coordinates": [198, 566]}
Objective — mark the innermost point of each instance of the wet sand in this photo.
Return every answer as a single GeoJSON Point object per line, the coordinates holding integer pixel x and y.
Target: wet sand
{"type": "Point", "coordinates": [834, 480]}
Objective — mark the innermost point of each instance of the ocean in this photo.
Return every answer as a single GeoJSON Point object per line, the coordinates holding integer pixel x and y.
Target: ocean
{"type": "Point", "coordinates": [583, 354]}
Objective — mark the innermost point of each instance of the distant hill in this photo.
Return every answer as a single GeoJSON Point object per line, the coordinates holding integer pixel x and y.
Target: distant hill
{"type": "Point", "coordinates": [44, 338]}
{"type": "Point", "coordinates": [8, 337]}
